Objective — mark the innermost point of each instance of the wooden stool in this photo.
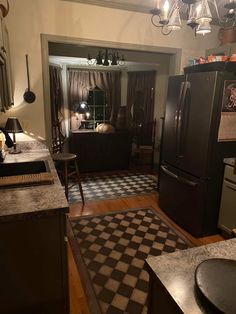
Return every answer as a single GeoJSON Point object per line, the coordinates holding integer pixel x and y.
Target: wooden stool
{"type": "Point", "coordinates": [66, 158]}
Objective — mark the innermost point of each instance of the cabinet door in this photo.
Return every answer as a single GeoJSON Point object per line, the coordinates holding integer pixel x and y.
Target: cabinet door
{"type": "Point", "coordinates": [33, 266]}
{"type": "Point", "coordinates": [227, 215]}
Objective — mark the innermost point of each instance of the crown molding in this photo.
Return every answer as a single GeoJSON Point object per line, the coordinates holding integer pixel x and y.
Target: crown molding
{"type": "Point", "coordinates": [129, 5]}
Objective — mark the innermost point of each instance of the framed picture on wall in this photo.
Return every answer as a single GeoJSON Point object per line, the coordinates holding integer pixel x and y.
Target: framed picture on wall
{"type": "Point", "coordinates": [227, 129]}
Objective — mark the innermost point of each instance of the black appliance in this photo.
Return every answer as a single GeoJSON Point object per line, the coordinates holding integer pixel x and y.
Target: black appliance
{"type": "Point", "coordinates": [192, 156]}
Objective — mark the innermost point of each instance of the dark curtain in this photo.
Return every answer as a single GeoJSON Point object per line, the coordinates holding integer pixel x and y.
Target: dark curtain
{"type": "Point", "coordinates": [140, 95]}
{"type": "Point", "coordinates": [81, 81]}
{"type": "Point", "coordinates": [57, 104]}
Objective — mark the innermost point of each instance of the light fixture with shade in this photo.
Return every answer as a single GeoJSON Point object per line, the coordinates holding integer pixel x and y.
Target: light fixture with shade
{"type": "Point", "coordinates": [107, 58]}
{"type": "Point", "coordinates": [167, 15]}
{"type": "Point", "coordinates": [82, 109]}
{"type": "Point", "coordinates": [13, 126]}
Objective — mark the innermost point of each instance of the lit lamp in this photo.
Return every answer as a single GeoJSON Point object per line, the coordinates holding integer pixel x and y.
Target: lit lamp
{"type": "Point", "coordinates": [83, 109]}
{"type": "Point", "coordinates": [13, 126]}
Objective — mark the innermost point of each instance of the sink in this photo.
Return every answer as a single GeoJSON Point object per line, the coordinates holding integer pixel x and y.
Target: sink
{"type": "Point", "coordinates": [25, 173]}
{"type": "Point", "coordinates": [21, 168]}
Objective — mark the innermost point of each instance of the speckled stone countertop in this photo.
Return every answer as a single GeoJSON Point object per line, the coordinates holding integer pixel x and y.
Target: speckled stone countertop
{"type": "Point", "coordinates": [176, 272]}
{"type": "Point", "coordinates": [36, 199]}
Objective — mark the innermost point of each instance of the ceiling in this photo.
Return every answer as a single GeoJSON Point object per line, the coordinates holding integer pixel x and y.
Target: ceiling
{"type": "Point", "coordinates": [141, 5]}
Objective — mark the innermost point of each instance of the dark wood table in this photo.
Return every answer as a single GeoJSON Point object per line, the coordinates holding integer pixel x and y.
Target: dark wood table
{"type": "Point", "coordinates": [101, 151]}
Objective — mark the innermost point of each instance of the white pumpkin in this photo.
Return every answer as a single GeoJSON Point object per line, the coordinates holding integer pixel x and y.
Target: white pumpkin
{"type": "Point", "coordinates": [105, 128]}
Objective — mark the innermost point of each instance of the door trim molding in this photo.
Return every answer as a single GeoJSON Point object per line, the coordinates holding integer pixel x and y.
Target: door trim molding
{"type": "Point", "coordinates": [175, 63]}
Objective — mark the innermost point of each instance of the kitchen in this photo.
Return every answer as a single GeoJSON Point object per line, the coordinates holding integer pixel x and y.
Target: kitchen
{"type": "Point", "coordinates": [85, 23]}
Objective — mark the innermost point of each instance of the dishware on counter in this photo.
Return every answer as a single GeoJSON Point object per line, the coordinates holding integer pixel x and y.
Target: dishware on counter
{"type": "Point", "coordinates": [215, 279]}
{"type": "Point", "coordinates": [216, 58]}
{"type": "Point", "coordinates": [233, 57]}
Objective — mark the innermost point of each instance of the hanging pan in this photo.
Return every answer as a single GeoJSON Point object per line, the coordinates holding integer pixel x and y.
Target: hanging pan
{"type": "Point", "coordinates": [29, 96]}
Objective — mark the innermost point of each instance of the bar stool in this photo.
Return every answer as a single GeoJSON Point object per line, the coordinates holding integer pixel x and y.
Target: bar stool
{"type": "Point", "coordinates": [65, 160]}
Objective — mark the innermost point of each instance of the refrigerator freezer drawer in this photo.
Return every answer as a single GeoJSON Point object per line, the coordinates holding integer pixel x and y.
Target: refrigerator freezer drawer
{"type": "Point", "coordinates": [183, 199]}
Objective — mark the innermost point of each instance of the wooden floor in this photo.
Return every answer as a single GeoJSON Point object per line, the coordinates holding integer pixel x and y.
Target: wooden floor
{"type": "Point", "coordinates": [78, 302]}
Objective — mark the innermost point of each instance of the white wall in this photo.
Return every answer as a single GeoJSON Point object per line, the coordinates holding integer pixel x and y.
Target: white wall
{"type": "Point", "coordinates": [28, 19]}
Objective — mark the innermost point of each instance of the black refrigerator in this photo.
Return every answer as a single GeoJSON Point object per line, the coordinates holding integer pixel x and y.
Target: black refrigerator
{"type": "Point", "coordinates": [192, 155]}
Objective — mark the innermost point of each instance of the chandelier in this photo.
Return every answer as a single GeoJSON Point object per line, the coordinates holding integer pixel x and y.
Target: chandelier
{"type": "Point", "coordinates": [167, 15]}
{"type": "Point", "coordinates": [106, 58]}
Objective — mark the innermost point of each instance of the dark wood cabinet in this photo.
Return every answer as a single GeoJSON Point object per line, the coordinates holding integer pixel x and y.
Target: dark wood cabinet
{"type": "Point", "coordinates": [33, 264]}
{"type": "Point", "coordinates": [101, 151]}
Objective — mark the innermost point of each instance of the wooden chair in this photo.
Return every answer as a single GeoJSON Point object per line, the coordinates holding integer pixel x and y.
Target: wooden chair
{"type": "Point", "coordinates": [66, 163]}
{"type": "Point", "coordinates": [144, 141]}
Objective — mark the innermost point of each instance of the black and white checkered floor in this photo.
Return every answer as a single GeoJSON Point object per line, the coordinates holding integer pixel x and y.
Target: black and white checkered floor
{"type": "Point", "coordinates": [113, 186]}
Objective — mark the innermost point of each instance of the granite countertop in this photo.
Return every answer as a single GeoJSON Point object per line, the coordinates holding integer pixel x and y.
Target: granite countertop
{"type": "Point", "coordinates": [35, 199]}
{"type": "Point", "coordinates": [176, 271]}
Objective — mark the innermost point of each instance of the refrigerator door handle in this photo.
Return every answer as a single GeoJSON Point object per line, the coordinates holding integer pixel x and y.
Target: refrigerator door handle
{"type": "Point", "coordinates": [183, 119]}
{"type": "Point", "coordinates": [178, 108]}
{"type": "Point", "coordinates": [175, 176]}
{"type": "Point", "coordinates": [171, 174]}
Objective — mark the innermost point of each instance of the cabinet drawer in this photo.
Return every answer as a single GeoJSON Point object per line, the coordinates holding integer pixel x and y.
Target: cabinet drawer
{"type": "Point", "coordinates": [229, 173]}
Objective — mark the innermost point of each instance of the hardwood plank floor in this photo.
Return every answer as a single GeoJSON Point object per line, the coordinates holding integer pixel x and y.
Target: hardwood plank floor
{"type": "Point", "coordinates": [78, 303]}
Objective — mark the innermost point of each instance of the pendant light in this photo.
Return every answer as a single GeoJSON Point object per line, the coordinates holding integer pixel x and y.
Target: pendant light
{"type": "Point", "coordinates": [174, 21]}
{"type": "Point", "coordinates": [203, 12]}
{"type": "Point", "coordinates": [203, 28]}
{"type": "Point", "coordinates": [167, 14]}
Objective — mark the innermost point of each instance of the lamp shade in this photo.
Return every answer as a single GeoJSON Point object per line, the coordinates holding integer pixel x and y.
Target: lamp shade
{"type": "Point", "coordinates": [175, 21]}
{"type": "Point", "coordinates": [13, 125]}
{"type": "Point", "coordinates": [82, 107]}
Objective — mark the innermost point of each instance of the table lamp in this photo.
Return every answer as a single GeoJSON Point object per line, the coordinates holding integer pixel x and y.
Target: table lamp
{"type": "Point", "coordinates": [13, 126]}
{"type": "Point", "coordinates": [83, 109]}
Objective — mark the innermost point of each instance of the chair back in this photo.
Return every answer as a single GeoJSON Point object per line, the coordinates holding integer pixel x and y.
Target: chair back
{"type": "Point", "coordinates": [57, 139]}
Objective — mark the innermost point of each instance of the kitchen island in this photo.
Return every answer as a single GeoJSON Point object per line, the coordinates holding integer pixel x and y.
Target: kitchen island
{"type": "Point", "coordinates": [172, 284]}
{"type": "Point", "coordinates": [33, 263]}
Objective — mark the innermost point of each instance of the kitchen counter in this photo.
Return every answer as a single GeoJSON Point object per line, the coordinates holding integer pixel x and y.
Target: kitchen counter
{"type": "Point", "coordinates": [172, 277]}
{"type": "Point", "coordinates": [25, 200]}
{"type": "Point", "coordinates": [33, 242]}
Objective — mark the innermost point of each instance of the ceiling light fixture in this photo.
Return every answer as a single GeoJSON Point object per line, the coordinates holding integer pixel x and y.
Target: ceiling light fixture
{"type": "Point", "coordinates": [107, 58]}
{"type": "Point", "coordinates": [167, 15]}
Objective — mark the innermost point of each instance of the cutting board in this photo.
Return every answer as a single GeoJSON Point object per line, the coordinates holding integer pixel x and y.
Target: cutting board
{"type": "Point", "coordinates": [27, 179]}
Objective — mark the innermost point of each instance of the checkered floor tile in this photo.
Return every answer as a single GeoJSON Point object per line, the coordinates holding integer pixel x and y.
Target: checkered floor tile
{"type": "Point", "coordinates": [113, 186]}
{"type": "Point", "coordinates": [113, 248]}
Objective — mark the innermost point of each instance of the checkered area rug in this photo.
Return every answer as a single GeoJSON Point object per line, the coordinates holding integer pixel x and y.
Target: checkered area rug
{"type": "Point", "coordinates": [113, 186]}
{"type": "Point", "coordinates": [110, 251]}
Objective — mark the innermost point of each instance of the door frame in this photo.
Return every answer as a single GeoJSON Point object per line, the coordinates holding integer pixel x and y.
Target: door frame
{"type": "Point", "coordinates": [175, 63]}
